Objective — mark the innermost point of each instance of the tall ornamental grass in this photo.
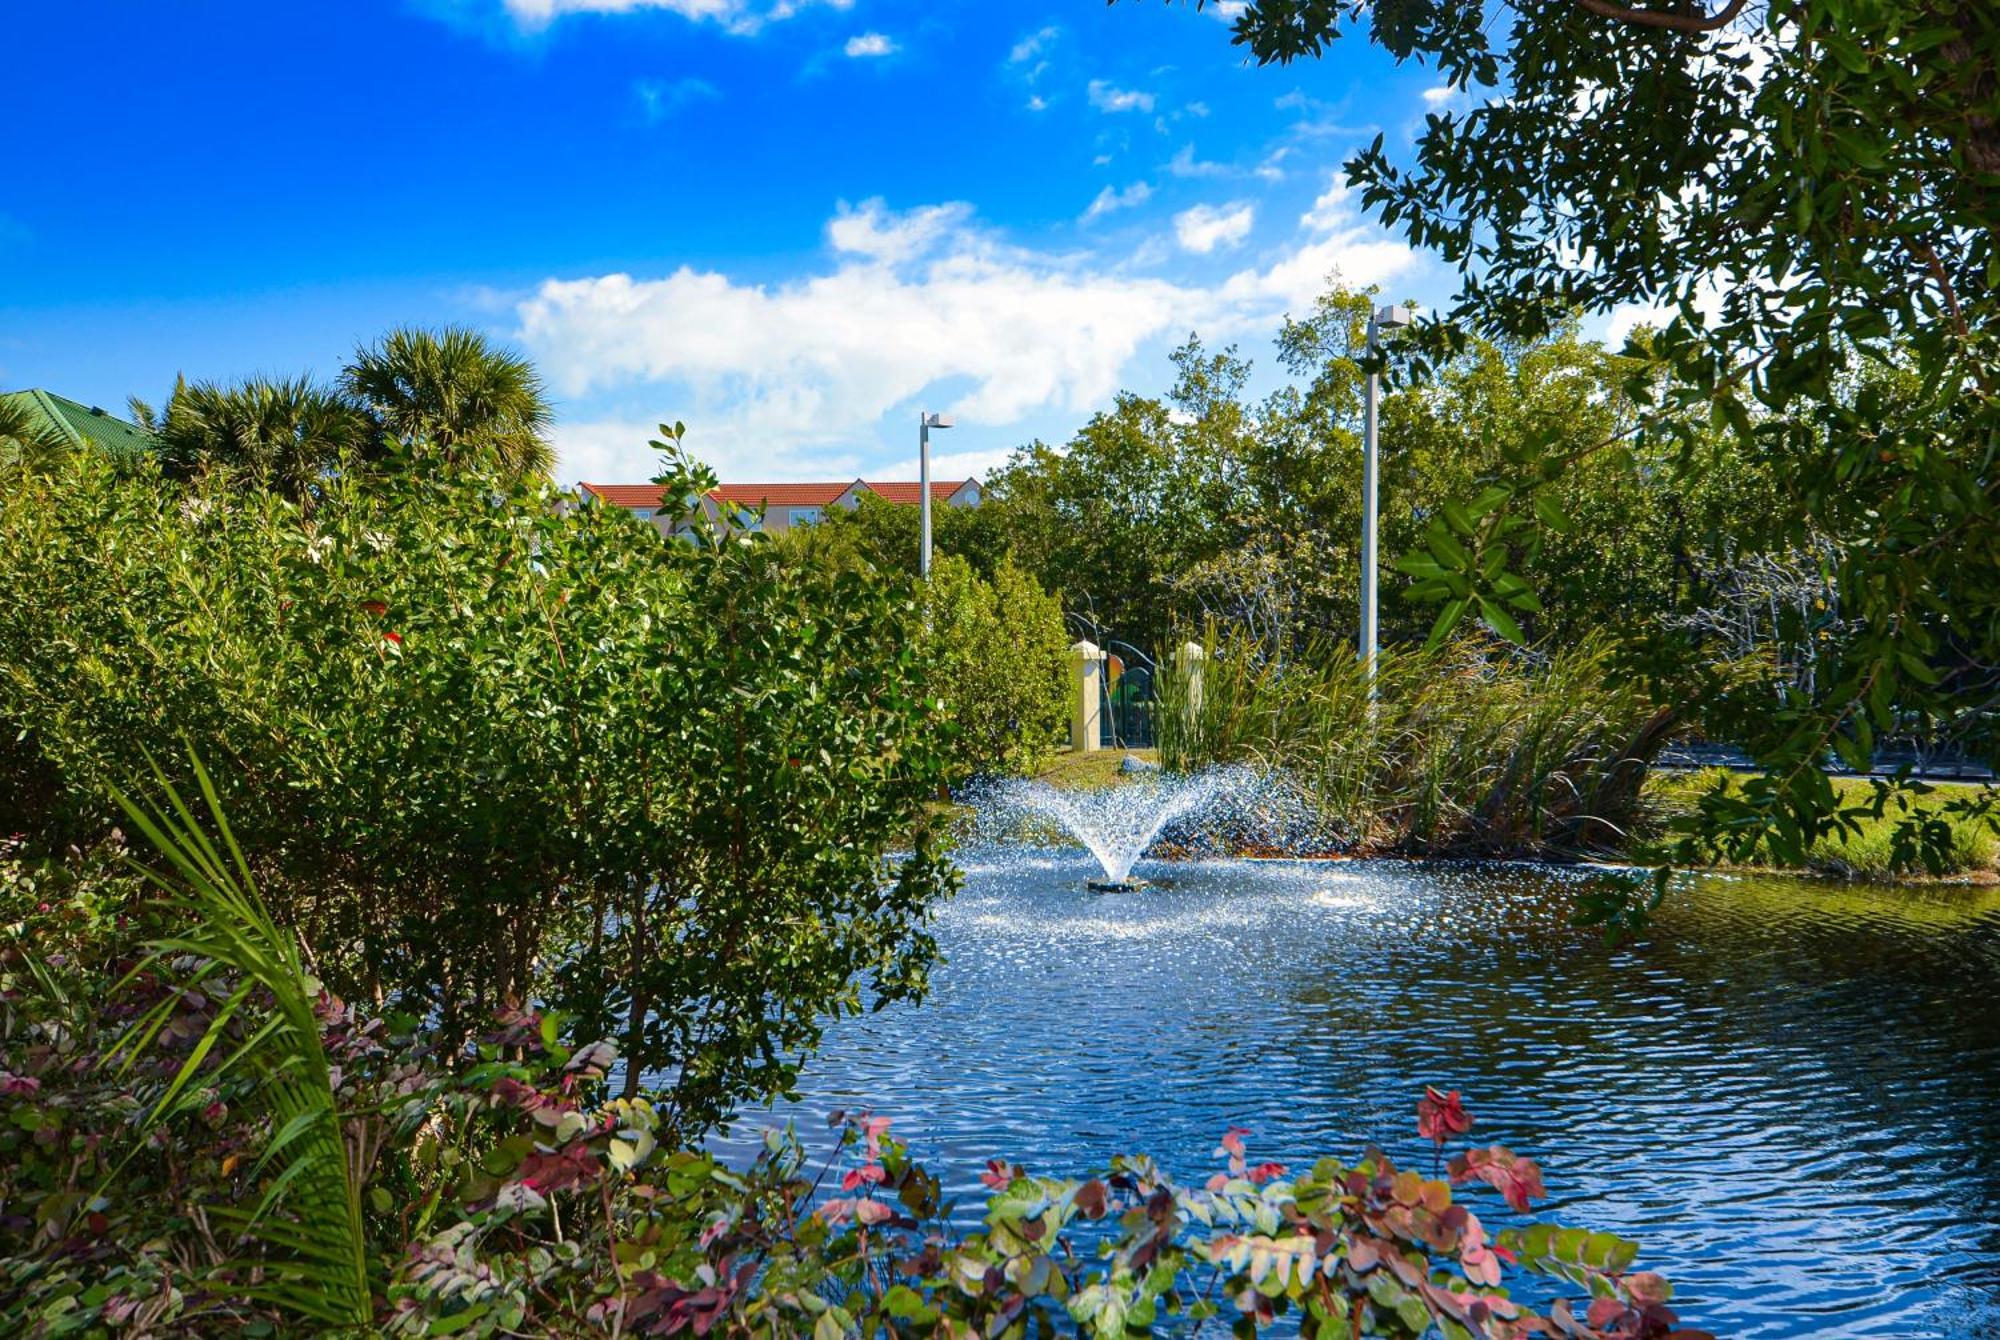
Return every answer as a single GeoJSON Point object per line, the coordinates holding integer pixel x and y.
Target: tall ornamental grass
{"type": "Point", "coordinates": [1465, 750]}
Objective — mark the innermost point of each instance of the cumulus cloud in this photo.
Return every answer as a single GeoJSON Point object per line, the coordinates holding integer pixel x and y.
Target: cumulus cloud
{"type": "Point", "coordinates": [1439, 95]}
{"type": "Point", "coordinates": [877, 233]}
{"type": "Point", "coordinates": [1106, 97]}
{"type": "Point", "coordinates": [781, 380]}
{"type": "Point", "coordinates": [1341, 241]}
{"type": "Point", "coordinates": [864, 45]}
{"type": "Point", "coordinates": [1205, 227]}
{"type": "Point", "coordinates": [1109, 200]}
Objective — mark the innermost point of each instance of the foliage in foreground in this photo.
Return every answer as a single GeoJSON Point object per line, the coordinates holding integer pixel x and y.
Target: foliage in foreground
{"type": "Point", "coordinates": [499, 1191]}
{"type": "Point", "coordinates": [1465, 750]}
{"type": "Point", "coordinates": [482, 749]}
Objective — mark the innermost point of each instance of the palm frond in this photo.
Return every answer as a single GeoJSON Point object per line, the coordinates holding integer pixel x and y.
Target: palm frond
{"type": "Point", "coordinates": [310, 1208]}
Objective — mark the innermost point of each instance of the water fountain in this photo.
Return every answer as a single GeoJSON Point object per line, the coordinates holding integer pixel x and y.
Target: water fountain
{"type": "Point", "coordinates": [1119, 823]}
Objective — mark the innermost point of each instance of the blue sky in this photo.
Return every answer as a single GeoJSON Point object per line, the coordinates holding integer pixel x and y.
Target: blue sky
{"type": "Point", "coordinates": [790, 223]}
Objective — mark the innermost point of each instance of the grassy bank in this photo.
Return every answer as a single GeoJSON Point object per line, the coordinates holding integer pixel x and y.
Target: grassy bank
{"type": "Point", "coordinates": [1975, 851]}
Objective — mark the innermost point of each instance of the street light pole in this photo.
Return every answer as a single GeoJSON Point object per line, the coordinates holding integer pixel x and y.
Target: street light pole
{"type": "Point", "coordinates": [1385, 318]}
{"type": "Point", "coordinates": [926, 422]}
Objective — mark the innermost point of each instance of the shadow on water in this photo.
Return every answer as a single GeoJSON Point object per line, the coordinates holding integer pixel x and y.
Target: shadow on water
{"type": "Point", "coordinates": [1788, 1094]}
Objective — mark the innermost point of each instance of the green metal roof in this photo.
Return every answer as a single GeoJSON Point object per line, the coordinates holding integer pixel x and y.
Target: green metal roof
{"type": "Point", "coordinates": [86, 424]}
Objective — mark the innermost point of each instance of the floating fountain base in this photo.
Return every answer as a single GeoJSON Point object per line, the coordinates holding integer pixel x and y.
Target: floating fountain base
{"type": "Point", "coordinates": [1115, 886]}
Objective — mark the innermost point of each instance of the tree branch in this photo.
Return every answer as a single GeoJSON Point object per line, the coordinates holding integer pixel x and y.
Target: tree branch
{"type": "Point", "coordinates": [1654, 18]}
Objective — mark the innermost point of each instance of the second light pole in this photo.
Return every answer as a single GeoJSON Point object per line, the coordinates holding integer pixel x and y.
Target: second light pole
{"type": "Point", "coordinates": [1383, 318]}
{"type": "Point", "coordinates": [925, 422]}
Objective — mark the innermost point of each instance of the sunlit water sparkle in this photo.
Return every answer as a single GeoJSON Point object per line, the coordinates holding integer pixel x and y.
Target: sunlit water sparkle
{"type": "Point", "coordinates": [1788, 1095]}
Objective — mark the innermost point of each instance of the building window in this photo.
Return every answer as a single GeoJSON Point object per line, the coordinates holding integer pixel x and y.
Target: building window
{"type": "Point", "coordinates": [805, 516]}
{"type": "Point", "coordinates": [643, 513]}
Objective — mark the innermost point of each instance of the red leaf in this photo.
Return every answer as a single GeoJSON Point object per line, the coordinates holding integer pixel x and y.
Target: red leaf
{"type": "Point", "coordinates": [1441, 1115]}
{"type": "Point", "coordinates": [1514, 1177]}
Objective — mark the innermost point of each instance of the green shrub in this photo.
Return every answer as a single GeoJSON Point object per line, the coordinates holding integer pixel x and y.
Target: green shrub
{"type": "Point", "coordinates": [484, 750]}
{"type": "Point", "coordinates": [1464, 751]}
{"type": "Point", "coordinates": [999, 651]}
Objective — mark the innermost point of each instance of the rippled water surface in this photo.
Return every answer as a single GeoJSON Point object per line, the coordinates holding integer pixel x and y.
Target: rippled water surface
{"type": "Point", "coordinates": [1790, 1095]}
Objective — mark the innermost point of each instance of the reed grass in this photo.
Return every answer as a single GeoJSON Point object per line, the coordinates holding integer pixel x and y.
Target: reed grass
{"type": "Point", "coordinates": [1467, 750]}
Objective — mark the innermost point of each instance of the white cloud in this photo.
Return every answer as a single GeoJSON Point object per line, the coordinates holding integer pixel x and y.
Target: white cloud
{"type": "Point", "coordinates": [948, 464]}
{"type": "Point", "coordinates": [1439, 95]}
{"type": "Point", "coordinates": [1185, 164]}
{"type": "Point", "coordinates": [873, 231]}
{"type": "Point", "coordinates": [1205, 227]}
{"type": "Point", "coordinates": [1107, 98]}
{"type": "Point", "coordinates": [1344, 244]}
{"type": "Point", "coordinates": [736, 16]}
{"type": "Point", "coordinates": [783, 380]}
{"type": "Point", "coordinates": [661, 98]}
{"type": "Point", "coordinates": [1028, 60]}
{"type": "Point", "coordinates": [1332, 210]}
{"type": "Point", "coordinates": [1109, 200]}
{"type": "Point", "coordinates": [1623, 319]}
{"type": "Point", "coordinates": [1226, 10]}
{"type": "Point", "coordinates": [1033, 45]}
{"type": "Point", "coordinates": [864, 45]}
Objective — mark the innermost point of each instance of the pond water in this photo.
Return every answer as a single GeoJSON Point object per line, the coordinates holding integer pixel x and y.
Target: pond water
{"type": "Point", "coordinates": [1790, 1095]}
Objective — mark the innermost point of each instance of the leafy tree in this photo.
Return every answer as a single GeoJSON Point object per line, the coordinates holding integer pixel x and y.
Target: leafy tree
{"type": "Point", "coordinates": [1136, 497]}
{"type": "Point", "coordinates": [287, 435]}
{"type": "Point", "coordinates": [456, 394]}
{"type": "Point", "coordinates": [1806, 189]}
{"type": "Point", "coordinates": [885, 535]}
{"type": "Point", "coordinates": [999, 655]}
{"type": "Point", "coordinates": [993, 641]}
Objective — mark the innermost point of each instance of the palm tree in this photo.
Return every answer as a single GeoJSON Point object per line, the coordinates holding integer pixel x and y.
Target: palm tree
{"type": "Point", "coordinates": [26, 441]}
{"type": "Point", "coordinates": [311, 1257]}
{"type": "Point", "coordinates": [287, 434]}
{"type": "Point", "coordinates": [454, 392]}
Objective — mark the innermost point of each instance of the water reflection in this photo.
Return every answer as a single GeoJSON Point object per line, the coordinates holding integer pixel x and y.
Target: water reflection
{"type": "Point", "coordinates": [1788, 1095]}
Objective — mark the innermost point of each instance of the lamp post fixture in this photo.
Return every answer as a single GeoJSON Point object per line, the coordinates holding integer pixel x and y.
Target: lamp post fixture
{"type": "Point", "coordinates": [1384, 318]}
{"type": "Point", "coordinates": [926, 422]}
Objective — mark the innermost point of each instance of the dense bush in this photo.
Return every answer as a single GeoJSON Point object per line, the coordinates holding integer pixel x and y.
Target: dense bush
{"type": "Point", "coordinates": [1466, 750]}
{"type": "Point", "coordinates": [495, 1189]}
{"type": "Point", "coordinates": [1000, 654]}
{"type": "Point", "coordinates": [486, 750]}
{"type": "Point", "coordinates": [994, 640]}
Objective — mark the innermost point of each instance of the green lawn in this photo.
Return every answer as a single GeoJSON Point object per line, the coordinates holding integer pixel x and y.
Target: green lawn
{"type": "Point", "coordinates": [1975, 849]}
{"type": "Point", "coordinates": [1090, 772]}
